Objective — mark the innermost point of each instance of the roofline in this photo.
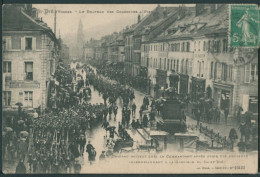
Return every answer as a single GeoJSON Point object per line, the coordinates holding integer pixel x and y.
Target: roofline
{"type": "Point", "coordinates": [30, 18]}
{"type": "Point", "coordinates": [45, 29]}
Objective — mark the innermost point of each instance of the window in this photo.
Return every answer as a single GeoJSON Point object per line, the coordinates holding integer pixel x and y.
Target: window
{"type": "Point", "coordinates": [199, 46]}
{"type": "Point", "coordinates": [182, 66]}
{"type": "Point", "coordinates": [225, 45]}
{"type": "Point", "coordinates": [29, 70]}
{"type": "Point", "coordinates": [251, 73]}
{"type": "Point", "coordinates": [199, 68]}
{"type": "Point", "coordinates": [230, 72]}
{"type": "Point", "coordinates": [177, 66]}
{"type": "Point", "coordinates": [195, 46]}
{"type": "Point", "coordinates": [212, 48]}
{"type": "Point", "coordinates": [254, 73]}
{"type": "Point", "coordinates": [190, 65]}
{"type": "Point", "coordinates": [165, 63]}
{"type": "Point", "coordinates": [188, 46]}
{"type": "Point", "coordinates": [7, 65]}
{"type": "Point", "coordinates": [183, 47]}
{"type": "Point", "coordinates": [28, 43]}
{"type": "Point", "coordinates": [215, 70]}
{"type": "Point", "coordinates": [217, 46]}
{"type": "Point", "coordinates": [174, 65]}
{"type": "Point", "coordinates": [7, 69]}
{"type": "Point", "coordinates": [171, 65]}
{"type": "Point", "coordinates": [160, 66]}
{"type": "Point", "coordinates": [208, 46]}
{"type": "Point", "coordinates": [224, 72]}
{"type": "Point", "coordinates": [202, 69]}
{"type": "Point", "coordinates": [6, 98]}
{"type": "Point", "coordinates": [28, 99]}
{"type": "Point", "coordinates": [186, 66]}
{"type": "Point", "coordinates": [204, 46]}
{"type": "Point", "coordinates": [211, 69]}
{"type": "Point", "coordinates": [7, 43]}
{"type": "Point", "coordinates": [168, 64]}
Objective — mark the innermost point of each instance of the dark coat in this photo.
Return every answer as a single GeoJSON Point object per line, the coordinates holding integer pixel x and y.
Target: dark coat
{"type": "Point", "coordinates": [20, 169]}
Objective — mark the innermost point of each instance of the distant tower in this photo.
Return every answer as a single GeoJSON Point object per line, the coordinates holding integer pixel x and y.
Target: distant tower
{"type": "Point", "coordinates": [80, 40]}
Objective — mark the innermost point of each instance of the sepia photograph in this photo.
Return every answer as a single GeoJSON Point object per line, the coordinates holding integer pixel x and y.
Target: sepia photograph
{"type": "Point", "coordinates": [130, 88]}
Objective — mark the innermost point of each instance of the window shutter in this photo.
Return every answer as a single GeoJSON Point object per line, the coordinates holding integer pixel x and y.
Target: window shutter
{"type": "Point", "coordinates": [34, 43]}
{"type": "Point", "coordinates": [22, 43]}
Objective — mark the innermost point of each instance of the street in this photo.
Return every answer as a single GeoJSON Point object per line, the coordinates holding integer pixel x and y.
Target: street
{"type": "Point", "coordinates": [129, 88]}
{"type": "Point", "coordinates": [96, 135]}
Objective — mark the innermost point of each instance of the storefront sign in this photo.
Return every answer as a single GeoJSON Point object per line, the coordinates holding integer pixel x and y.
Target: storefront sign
{"type": "Point", "coordinates": [24, 85]}
{"type": "Point", "coordinates": [200, 55]}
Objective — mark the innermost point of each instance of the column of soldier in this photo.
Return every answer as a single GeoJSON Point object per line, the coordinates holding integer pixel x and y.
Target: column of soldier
{"type": "Point", "coordinates": [112, 90]}
{"type": "Point", "coordinates": [49, 143]}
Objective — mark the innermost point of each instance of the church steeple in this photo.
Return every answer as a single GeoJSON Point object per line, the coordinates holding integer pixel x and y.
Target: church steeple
{"type": "Point", "coordinates": [80, 40]}
{"type": "Point", "coordinates": [80, 34]}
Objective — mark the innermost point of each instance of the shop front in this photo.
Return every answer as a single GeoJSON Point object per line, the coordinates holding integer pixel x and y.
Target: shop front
{"type": "Point", "coordinates": [250, 103]}
{"type": "Point", "coordinates": [197, 88]}
{"type": "Point", "coordinates": [253, 104]}
{"type": "Point", "coordinates": [223, 96]}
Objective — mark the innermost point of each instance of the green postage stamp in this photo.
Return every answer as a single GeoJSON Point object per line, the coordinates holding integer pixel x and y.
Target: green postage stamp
{"type": "Point", "coordinates": [244, 26]}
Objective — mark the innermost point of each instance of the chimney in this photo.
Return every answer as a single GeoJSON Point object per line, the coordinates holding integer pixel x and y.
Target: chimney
{"type": "Point", "coordinates": [34, 13]}
{"type": "Point", "coordinates": [28, 9]}
{"type": "Point", "coordinates": [199, 9]}
{"type": "Point", "coordinates": [181, 11]}
{"type": "Point", "coordinates": [139, 18]}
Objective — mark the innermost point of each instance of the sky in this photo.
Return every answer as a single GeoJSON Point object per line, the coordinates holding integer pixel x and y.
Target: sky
{"type": "Point", "coordinates": [98, 19]}
{"type": "Point", "coordinates": [70, 14]}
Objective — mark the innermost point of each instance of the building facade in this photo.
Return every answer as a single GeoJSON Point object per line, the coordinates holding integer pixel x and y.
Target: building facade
{"type": "Point", "coordinates": [30, 50]}
{"type": "Point", "coordinates": [196, 47]}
